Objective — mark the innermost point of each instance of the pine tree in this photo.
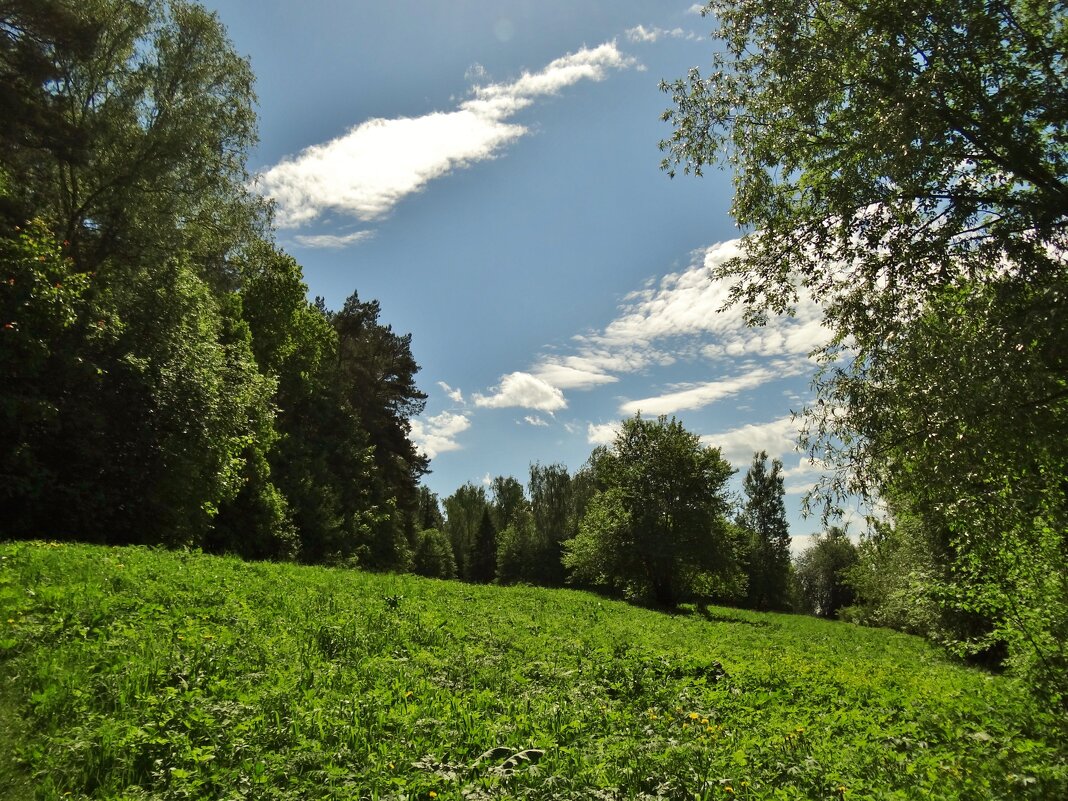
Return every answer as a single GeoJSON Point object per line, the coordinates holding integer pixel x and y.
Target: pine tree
{"type": "Point", "coordinates": [764, 516]}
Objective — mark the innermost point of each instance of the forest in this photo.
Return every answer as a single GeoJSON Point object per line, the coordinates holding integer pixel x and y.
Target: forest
{"type": "Point", "coordinates": [165, 380]}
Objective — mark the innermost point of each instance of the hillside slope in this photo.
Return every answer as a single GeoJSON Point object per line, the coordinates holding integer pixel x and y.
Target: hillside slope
{"type": "Point", "coordinates": [137, 674]}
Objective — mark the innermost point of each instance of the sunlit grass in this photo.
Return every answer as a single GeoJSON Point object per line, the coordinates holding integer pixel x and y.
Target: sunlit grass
{"type": "Point", "coordinates": [149, 674]}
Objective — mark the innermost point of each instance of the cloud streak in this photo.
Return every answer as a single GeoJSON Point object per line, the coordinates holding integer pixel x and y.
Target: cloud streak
{"type": "Point", "coordinates": [684, 316]}
{"type": "Point", "coordinates": [332, 241]}
{"type": "Point", "coordinates": [367, 171]}
{"type": "Point", "coordinates": [640, 33]}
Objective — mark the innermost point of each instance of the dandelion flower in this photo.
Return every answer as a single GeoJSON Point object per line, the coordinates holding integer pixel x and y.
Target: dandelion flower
{"type": "Point", "coordinates": [694, 716]}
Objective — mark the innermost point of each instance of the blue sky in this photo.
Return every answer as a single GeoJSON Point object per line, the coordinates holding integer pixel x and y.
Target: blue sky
{"type": "Point", "coordinates": [490, 173]}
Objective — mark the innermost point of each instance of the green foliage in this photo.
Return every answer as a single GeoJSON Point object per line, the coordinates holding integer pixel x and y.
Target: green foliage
{"type": "Point", "coordinates": [161, 109]}
{"type": "Point", "coordinates": [463, 514]}
{"type": "Point", "coordinates": [519, 551]}
{"type": "Point", "coordinates": [659, 520]}
{"type": "Point", "coordinates": [428, 512]}
{"type": "Point", "coordinates": [822, 573]}
{"type": "Point", "coordinates": [550, 504]}
{"type": "Point", "coordinates": [165, 378]}
{"type": "Point", "coordinates": [484, 561]}
{"type": "Point", "coordinates": [509, 501]}
{"type": "Point", "coordinates": [433, 555]}
{"type": "Point", "coordinates": [144, 674]}
{"type": "Point", "coordinates": [763, 516]}
{"type": "Point", "coordinates": [898, 579]}
{"type": "Point", "coordinates": [905, 165]}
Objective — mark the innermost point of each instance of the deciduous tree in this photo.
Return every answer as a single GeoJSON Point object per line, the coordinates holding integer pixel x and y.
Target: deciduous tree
{"type": "Point", "coordinates": [659, 520]}
{"type": "Point", "coordinates": [906, 165]}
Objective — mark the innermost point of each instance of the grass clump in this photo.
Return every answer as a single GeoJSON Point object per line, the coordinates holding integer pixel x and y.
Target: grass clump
{"type": "Point", "coordinates": [140, 674]}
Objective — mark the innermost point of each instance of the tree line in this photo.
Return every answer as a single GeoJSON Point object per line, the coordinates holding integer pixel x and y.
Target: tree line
{"type": "Point", "coordinates": [163, 377]}
{"type": "Point", "coordinates": [650, 518]}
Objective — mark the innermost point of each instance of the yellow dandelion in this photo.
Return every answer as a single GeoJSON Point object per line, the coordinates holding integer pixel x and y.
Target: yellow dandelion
{"type": "Point", "coordinates": [729, 789]}
{"type": "Point", "coordinates": [409, 694]}
{"type": "Point", "coordinates": [433, 794]}
{"type": "Point", "coordinates": [704, 721]}
{"type": "Point", "coordinates": [694, 716]}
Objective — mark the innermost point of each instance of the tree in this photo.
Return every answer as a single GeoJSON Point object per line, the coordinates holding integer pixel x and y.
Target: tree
{"type": "Point", "coordinates": [659, 522]}
{"type": "Point", "coordinates": [433, 555]}
{"type": "Point", "coordinates": [906, 165]}
{"type": "Point", "coordinates": [376, 370]}
{"type": "Point", "coordinates": [160, 113]}
{"type": "Point", "coordinates": [518, 551]}
{"type": "Point", "coordinates": [463, 514]}
{"type": "Point", "coordinates": [822, 573]}
{"type": "Point", "coordinates": [764, 518]}
{"type": "Point", "coordinates": [428, 511]}
{"type": "Point", "coordinates": [550, 504]}
{"type": "Point", "coordinates": [131, 152]}
{"type": "Point", "coordinates": [484, 557]}
{"type": "Point", "coordinates": [509, 501]}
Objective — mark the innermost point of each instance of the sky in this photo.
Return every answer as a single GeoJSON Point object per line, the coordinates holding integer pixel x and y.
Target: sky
{"type": "Point", "coordinates": [490, 172]}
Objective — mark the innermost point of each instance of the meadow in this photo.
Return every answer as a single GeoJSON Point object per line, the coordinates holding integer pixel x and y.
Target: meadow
{"type": "Point", "coordinates": [130, 673]}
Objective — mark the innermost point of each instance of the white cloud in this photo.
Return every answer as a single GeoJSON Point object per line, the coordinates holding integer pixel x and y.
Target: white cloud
{"type": "Point", "coordinates": [455, 395]}
{"type": "Point", "coordinates": [696, 8]}
{"type": "Point", "coordinates": [696, 396]}
{"type": "Point", "coordinates": [739, 444]}
{"type": "Point", "coordinates": [640, 33]}
{"type": "Point", "coordinates": [332, 240]}
{"type": "Point", "coordinates": [476, 72]}
{"type": "Point", "coordinates": [377, 163]}
{"type": "Point", "coordinates": [573, 372]}
{"type": "Point", "coordinates": [602, 434]}
{"type": "Point", "coordinates": [700, 395]}
{"type": "Point", "coordinates": [534, 420]}
{"type": "Point", "coordinates": [523, 390]}
{"type": "Point", "coordinates": [436, 435]}
{"type": "Point", "coordinates": [684, 315]}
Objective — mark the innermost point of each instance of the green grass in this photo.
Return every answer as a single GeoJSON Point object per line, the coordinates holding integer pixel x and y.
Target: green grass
{"type": "Point", "coordinates": [136, 674]}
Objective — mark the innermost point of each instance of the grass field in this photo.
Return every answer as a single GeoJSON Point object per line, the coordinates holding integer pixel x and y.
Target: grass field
{"type": "Point", "coordinates": [137, 674]}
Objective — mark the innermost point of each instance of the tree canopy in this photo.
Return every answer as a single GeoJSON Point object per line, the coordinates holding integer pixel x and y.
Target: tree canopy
{"type": "Point", "coordinates": [656, 528]}
{"type": "Point", "coordinates": [906, 165]}
{"type": "Point", "coordinates": [163, 377]}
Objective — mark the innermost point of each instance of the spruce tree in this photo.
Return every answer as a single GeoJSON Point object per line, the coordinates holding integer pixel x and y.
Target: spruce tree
{"type": "Point", "coordinates": [764, 516]}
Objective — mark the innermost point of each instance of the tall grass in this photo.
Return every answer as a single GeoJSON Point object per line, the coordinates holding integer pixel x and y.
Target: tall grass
{"type": "Point", "coordinates": [136, 674]}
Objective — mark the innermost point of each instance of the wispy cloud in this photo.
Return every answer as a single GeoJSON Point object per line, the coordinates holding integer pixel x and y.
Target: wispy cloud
{"type": "Point", "coordinates": [534, 420]}
{"type": "Point", "coordinates": [437, 434]}
{"type": "Point", "coordinates": [696, 8]}
{"type": "Point", "coordinates": [455, 395]}
{"type": "Point", "coordinates": [525, 391]}
{"type": "Point", "coordinates": [699, 395]}
{"type": "Point", "coordinates": [640, 33]}
{"type": "Point", "coordinates": [683, 316]}
{"type": "Point", "coordinates": [368, 170]}
{"type": "Point", "coordinates": [332, 240]}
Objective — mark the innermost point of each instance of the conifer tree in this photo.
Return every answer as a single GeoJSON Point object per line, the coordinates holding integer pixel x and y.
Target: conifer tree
{"type": "Point", "coordinates": [764, 517]}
